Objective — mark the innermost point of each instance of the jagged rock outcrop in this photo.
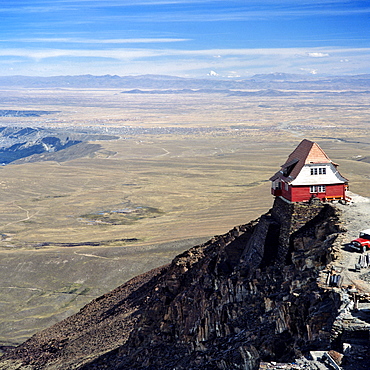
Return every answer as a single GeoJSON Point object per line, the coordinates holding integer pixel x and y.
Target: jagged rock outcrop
{"type": "Point", "coordinates": [32, 144]}
{"type": "Point", "coordinates": [249, 295]}
{"type": "Point", "coordinates": [17, 143]}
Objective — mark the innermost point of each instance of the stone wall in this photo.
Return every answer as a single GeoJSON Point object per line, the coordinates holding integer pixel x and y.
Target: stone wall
{"type": "Point", "coordinates": [291, 217]}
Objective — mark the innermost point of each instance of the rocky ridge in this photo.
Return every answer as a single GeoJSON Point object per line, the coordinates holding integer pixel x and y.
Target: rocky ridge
{"type": "Point", "coordinates": [257, 293]}
{"type": "Point", "coordinates": [32, 144]}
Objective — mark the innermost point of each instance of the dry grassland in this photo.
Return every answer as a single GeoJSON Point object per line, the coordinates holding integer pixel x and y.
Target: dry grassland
{"type": "Point", "coordinates": [188, 185]}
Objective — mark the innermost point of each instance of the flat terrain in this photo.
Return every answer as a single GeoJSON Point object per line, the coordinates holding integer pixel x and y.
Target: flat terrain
{"type": "Point", "coordinates": [185, 167]}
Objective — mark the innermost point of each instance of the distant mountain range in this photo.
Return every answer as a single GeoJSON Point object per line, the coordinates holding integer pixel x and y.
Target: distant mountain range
{"type": "Point", "coordinates": [261, 81]}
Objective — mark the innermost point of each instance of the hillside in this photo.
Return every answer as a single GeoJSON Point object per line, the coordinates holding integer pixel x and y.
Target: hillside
{"type": "Point", "coordinates": [32, 144]}
{"type": "Point", "coordinates": [257, 293]}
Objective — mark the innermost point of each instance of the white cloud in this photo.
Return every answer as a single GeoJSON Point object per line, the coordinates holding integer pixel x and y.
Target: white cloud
{"type": "Point", "coordinates": [195, 63]}
{"type": "Point", "coordinates": [39, 54]}
{"type": "Point", "coordinates": [309, 70]}
{"type": "Point", "coordinates": [240, 11]}
{"type": "Point", "coordinates": [133, 53]}
{"type": "Point", "coordinates": [317, 55]}
{"type": "Point", "coordinates": [97, 41]}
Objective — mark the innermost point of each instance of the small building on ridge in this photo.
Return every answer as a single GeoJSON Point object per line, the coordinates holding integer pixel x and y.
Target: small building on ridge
{"type": "Point", "coordinates": [309, 173]}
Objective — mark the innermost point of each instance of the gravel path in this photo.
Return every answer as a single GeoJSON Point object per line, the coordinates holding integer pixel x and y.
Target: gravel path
{"type": "Point", "coordinates": [356, 217]}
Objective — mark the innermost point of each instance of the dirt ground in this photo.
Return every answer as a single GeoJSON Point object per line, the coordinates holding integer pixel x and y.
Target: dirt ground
{"type": "Point", "coordinates": [356, 214]}
{"type": "Point", "coordinates": [357, 217]}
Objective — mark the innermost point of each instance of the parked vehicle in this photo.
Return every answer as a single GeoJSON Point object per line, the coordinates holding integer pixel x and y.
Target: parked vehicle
{"type": "Point", "coordinates": [362, 243]}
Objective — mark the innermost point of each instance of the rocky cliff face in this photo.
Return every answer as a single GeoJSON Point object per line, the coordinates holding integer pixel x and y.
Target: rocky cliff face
{"type": "Point", "coordinates": [32, 144]}
{"type": "Point", "coordinates": [252, 294]}
{"type": "Point", "coordinates": [17, 143]}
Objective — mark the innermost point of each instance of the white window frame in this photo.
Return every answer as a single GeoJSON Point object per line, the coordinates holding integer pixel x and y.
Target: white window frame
{"type": "Point", "coordinates": [277, 185]}
{"type": "Point", "coordinates": [317, 171]}
{"type": "Point", "coordinates": [314, 189]}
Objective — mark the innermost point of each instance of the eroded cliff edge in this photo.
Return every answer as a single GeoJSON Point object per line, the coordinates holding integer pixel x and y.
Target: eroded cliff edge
{"type": "Point", "coordinates": [252, 294]}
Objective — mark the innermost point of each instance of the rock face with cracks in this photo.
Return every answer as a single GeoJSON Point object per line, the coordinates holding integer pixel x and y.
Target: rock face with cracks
{"type": "Point", "coordinates": [250, 295]}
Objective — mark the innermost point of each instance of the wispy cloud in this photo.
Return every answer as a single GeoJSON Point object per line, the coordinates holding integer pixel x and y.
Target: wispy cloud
{"type": "Point", "coordinates": [184, 36]}
{"type": "Point", "coordinates": [238, 14]}
{"type": "Point", "coordinates": [233, 62]}
{"type": "Point", "coordinates": [39, 54]}
{"type": "Point", "coordinates": [106, 3]}
{"type": "Point", "coordinates": [317, 55]}
{"type": "Point", "coordinates": [136, 53]}
{"type": "Point", "coordinates": [95, 41]}
{"type": "Point", "coordinates": [191, 10]}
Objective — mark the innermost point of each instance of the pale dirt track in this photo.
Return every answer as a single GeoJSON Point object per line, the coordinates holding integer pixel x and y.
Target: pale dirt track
{"type": "Point", "coordinates": [356, 217]}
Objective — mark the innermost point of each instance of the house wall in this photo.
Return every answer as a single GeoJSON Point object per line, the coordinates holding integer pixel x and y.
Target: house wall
{"type": "Point", "coordinates": [287, 194]}
{"type": "Point", "coordinates": [335, 190]}
{"type": "Point", "coordinates": [302, 193]}
{"type": "Point", "coordinates": [332, 175]}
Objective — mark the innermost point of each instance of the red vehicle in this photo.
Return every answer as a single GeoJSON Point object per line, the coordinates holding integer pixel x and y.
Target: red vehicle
{"type": "Point", "coordinates": [362, 243]}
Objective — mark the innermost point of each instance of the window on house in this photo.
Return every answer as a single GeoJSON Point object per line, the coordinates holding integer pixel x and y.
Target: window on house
{"type": "Point", "coordinates": [317, 189]}
{"type": "Point", "coordinates": [277, 184]}
{"type": "Point", "coordinates": [318, 171]}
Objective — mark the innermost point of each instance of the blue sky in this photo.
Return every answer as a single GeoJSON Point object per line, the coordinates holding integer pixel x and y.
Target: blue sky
{"type": "Point", "coordinates": [188, 38]}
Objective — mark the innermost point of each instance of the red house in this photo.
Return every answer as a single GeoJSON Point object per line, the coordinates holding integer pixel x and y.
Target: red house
{"type": "Point", "coordinates": [307, 173]}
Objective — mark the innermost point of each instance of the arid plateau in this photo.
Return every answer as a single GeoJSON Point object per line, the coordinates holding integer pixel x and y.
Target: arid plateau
{"type": "Point", "coordinates": [160, 169]}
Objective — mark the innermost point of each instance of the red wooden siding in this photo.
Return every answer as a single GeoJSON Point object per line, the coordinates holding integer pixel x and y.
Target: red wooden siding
{"type": "Point", "coordinates": [336, 190]}
{"type": "Point", "coordinates": [302, 193]}
{"type": "Point", "coordinates": [287, 194]}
